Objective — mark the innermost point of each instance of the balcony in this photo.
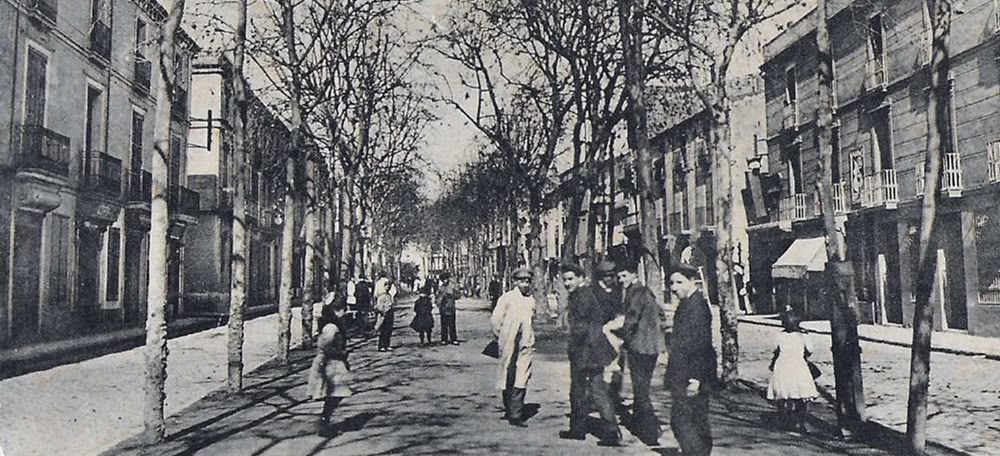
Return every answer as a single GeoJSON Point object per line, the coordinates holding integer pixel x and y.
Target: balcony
{"type": "Point", "coordinates": [44, 11]}
{"type": "Point", "coordinates": [839, 200]}
{"type": "Point", "coordinates": [178, 109]}
{"type": "Point", "coordinates": [42, 149]}
{"type": "Point", "coordinates": [790, 116]}
{"type": "Point", "coordinates": [140, 186]}
{"type": "Point", "coordinates": [100, 43]}
{"type": "Point", "coordinates": [800, 206]}
{"type": "Point", "coordinates": [102, 173]}
{"type": "Point", "coordinates": [951, 182]}
{"type": "Point", "coordinates": [881, 189]}
{"type": "Point", "coordinates": [143, 72]}
{"type": "Point", "coordinates": [918, 178]}
{"type": "Point", "coordinates": [183, 200]}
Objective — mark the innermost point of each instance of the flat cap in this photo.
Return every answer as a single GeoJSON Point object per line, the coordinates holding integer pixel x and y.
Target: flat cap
{"type": "Point", "coordinates": [687, 270]}
{"type": "Point", "coordinates": [523, 272]}
{"type": "Point", "coordinates": [605, 267]}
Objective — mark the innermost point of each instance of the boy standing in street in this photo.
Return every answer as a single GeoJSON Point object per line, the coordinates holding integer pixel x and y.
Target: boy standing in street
{"type": "Point", "coordinates": [644, 342]}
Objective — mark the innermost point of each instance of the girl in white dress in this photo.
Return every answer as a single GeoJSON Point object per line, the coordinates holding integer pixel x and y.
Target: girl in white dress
{"type": "Point", "coordinates": [792, 385]}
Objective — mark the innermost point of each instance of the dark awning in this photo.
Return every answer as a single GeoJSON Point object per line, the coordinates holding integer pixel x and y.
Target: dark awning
{"type": "Point", "coordinates": [804, 255]}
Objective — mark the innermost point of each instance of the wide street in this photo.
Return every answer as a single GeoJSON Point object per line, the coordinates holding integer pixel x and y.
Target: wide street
{"type": "Point", "coordinates": [439, 400]}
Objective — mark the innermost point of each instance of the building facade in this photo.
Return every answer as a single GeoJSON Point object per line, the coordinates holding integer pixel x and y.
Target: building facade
{"type": "Point", "coordinates": [881, 53]}
{"type": "Point", "coordinates": [74, 159]}
{"type": "Point", "coordinates": [210, 168]}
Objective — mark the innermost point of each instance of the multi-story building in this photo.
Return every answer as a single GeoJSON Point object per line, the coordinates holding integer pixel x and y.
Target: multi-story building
{"type": "Point", "coordinates": [74, 160]}
{"type": "Point", "coordinates": [685, 171]}
{"type": "Point", "coordinates": [881, 53]}
{"type": "Point", "coordinates": [210, 168]}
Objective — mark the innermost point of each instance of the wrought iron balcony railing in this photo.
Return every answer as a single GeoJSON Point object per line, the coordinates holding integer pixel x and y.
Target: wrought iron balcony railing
{"type": "Point", "coordinates": [881, 189]}
{"type": "Point", "coordinates": [839, 200]}
{"type": "Point", "coordinates": [951, 182]}
{"type": "Point", "coordinates": [102, 173]}
{"type": "Point", "coordinates": [140, 186]}
{"type": "Point", "coordinates": [41, 148]}
{"type": "Point", "coordinates": [993, 157]}
{"type": "Point", "coordinates": [183, 200]}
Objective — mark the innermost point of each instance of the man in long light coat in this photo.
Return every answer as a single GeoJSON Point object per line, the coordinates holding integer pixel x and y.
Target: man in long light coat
{"type": "Point", "coordinates": [512, 325]}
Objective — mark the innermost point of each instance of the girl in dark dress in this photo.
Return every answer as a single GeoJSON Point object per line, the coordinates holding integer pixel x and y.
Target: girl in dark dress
{"type": "Point", "coordinates": [423, 321]}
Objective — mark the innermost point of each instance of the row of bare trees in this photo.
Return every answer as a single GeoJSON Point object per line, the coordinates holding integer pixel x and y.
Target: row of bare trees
{"type": "Point", "coordinates": [339, 74]}
{"type": "Point", "coordinates": [538, 79]}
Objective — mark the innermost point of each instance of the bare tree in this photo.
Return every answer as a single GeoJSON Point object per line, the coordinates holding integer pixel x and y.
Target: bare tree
{"type": "Point", "coordinates": [938, 121]}
{"type": "Point", "coordinates": [156, 322]}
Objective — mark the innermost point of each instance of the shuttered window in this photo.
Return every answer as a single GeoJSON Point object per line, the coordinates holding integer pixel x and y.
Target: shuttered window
{"type": "Point", "coordinates": [114, 256]}
{"type": "Point", "coordinates": [137, 121]}
{"type": "Point", "coordinates": [58, 261]}
{"type": "Point", "coordinates": [35, 88]}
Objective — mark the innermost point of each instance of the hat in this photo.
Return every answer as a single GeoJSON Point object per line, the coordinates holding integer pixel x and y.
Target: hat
{"type": "Point", "coordinates": [523, 272]}
{"type": "Point", "coordinates": [687, 270]}
{"type": "Point", "coordinates": [605, 267]}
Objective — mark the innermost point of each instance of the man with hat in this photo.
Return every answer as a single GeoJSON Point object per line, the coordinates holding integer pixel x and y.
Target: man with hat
{"type": "Point", "coordinates": [691, 368]}
{"type": "Point", "coordinates": [447, 297]}
{"type": "Point", "coordinates": [589, 353]}
{"type": "Point", "coordinates": [609, 295]}
{"type": "Point", "coordinates": [512, 326]}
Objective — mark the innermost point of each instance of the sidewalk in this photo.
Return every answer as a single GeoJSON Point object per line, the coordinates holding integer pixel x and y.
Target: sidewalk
{"type": "Point", "coordinates": [942, 341]}
{"type": "Point", "coordinates": [440, 400]}
{"type": "Point", "coordinates": [46, 355]}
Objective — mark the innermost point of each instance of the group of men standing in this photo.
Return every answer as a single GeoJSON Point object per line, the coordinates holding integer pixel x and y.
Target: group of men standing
{"type": "Point", "coordinates": [616, 321]}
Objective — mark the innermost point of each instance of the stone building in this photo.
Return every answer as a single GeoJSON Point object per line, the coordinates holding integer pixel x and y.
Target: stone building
{"type": "Point", "coordinates": [881, 53]}
{"type": "Point", "coordinates": [77, 123]}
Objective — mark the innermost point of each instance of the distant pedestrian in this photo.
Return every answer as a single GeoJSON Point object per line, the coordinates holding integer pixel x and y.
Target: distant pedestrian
{"type": "Point", "coordinates": [495, 290]}
{"type": "Point", "coordinates": [644, 342]}
{"type": "Point", "coordinates": [447, 297]}
{"type": "Point", "coordinates": [423, 320]}
{"type": "Point", "coordinates": [691, 367]}
{"type": "Point", "coordinates": [513, 327]}
{"type": "Point", "coordinates": [792, 385]}
{"type": "Point", "coordinates": [385, 294]}
{"type": "Point", "coordinates": [589, 354]}
{"type": "Point", "coordinates": [329, 375]}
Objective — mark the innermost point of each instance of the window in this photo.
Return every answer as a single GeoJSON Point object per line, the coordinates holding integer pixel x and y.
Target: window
{"type": "Point", "coordinates": [58, 260]}
{"type": "Point", "coordinates": [791, 87]}
{"type": "Point", "coordinates": [114, 254]}
{"type": "Point", "coordinates": [35, 89]}
{"type": "Point", "coordinates": [136, 161]}
{"type": "Point", "coordinates": [92, 129]}
{"type": "Point", "coordinates": [880, 140]}
{"type": "Point", "coordinates": [175, 161]}
{"type": "Point", "coordinates": [793, 166]}
{"type": "Point", "coordinates": [140, 37]}
{"type": "Point", "coordinates": [876, 49]}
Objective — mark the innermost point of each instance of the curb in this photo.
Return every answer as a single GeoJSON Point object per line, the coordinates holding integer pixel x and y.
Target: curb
{"type": "Point", "coordinates": [948, 350]}
{"type": "Point", "coordinates": [873, 434]}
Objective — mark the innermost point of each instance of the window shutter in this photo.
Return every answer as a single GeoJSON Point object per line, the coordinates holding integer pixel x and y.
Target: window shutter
{"type": "Point", "coordinates": [35, 90]}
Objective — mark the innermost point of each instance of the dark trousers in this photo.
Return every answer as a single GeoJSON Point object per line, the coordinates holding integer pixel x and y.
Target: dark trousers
{"type": "Point", "coordinates": [329, 405]}
{"type": "Point", "coordinates": [645, 426]}
{"type": "Point", "coordinates": [385, 331]}
{"type": "Point", "coordinates": [689, 420]}
{"type": "Point", "coordinates": [448, 328]}
{"type": "Point", "coordinates": [513, 398]}
{"type": "Point", "coordinates": [586, 387]}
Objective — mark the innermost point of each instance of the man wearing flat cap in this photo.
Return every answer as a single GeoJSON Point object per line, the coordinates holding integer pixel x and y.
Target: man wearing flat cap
{"type": "Point", "coordinates": [610, 296]}
{"type": "Point", "coordinates": [589, 353]}
{"type": "Point", "coordinates": [691, 368]}
{"type": "Point", "coordinates": [513, 328]}
{"type": "Point", "coordinates": [644, 343]}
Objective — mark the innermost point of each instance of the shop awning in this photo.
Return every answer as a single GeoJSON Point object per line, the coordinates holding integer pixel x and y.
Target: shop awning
{"type": "Point", "coordinates": [804, 255]}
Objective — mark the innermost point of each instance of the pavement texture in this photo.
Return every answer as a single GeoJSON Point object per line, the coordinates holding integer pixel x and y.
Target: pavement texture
{"type": "Point", "coordinates": [439, 400]}
{"type": "Point", "coordinates": [964, 395]}
{"type": "Point", "coordinates": [86, 407]}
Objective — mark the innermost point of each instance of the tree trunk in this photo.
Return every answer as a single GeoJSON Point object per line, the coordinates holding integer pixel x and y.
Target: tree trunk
{"type": "Point", "coordinates": [156, 322]}
{"type": "Point", "coordinates": [309, 269]}
{"type": "Point", "coordinates": [240, 250]}
{"type": "Point", "coordinates": [287, 259]}
{"type": "Point", "coordinates": [938, 113]}
{"type": "Point", "coordinates": [638, 139]}
{"type": "Point", "coordinates": [847, 363]}
{"type": "Point", "coordinates": [346, 221]}
{"type": "Point", "coordinates": [722, 179]}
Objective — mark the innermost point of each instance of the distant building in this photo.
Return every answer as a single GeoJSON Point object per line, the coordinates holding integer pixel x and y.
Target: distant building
{"type": "Point", "coordinates": [210, 167]}
{"type": "Point", "coordinates": [77, 116]}
{"type": "Point", "coordinates": [881, 53]}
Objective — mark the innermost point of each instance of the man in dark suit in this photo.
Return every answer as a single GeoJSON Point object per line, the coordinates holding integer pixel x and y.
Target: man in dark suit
{"type": "Point", "coordinates": [495, 290]}
{"type": "Point", "coordinates": [644, 343]}
{"type": "Point", "coordinates": [610, 295]}
{"type": "Point", "coordinates": [691, 368]}
{"type": "Point", "coordinates": [589, 353]}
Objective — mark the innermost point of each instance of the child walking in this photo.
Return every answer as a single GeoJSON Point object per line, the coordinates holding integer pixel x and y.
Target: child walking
{"type": "Point", "coordinates": [792, 385]}
{"type": "Point", "coordinates": [423, 320]}
{"type": "Point", "coordinates": [330, 376]}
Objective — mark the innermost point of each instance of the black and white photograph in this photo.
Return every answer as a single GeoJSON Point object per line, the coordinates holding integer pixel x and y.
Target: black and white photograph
{"type": "Point", "coordinates": [499, 227]}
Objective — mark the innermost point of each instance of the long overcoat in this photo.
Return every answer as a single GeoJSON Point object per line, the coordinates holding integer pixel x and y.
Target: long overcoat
{"type": "Point", "coordinates": [329, 375]}
{"type": "Point", "coordinates": [512, 325]}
